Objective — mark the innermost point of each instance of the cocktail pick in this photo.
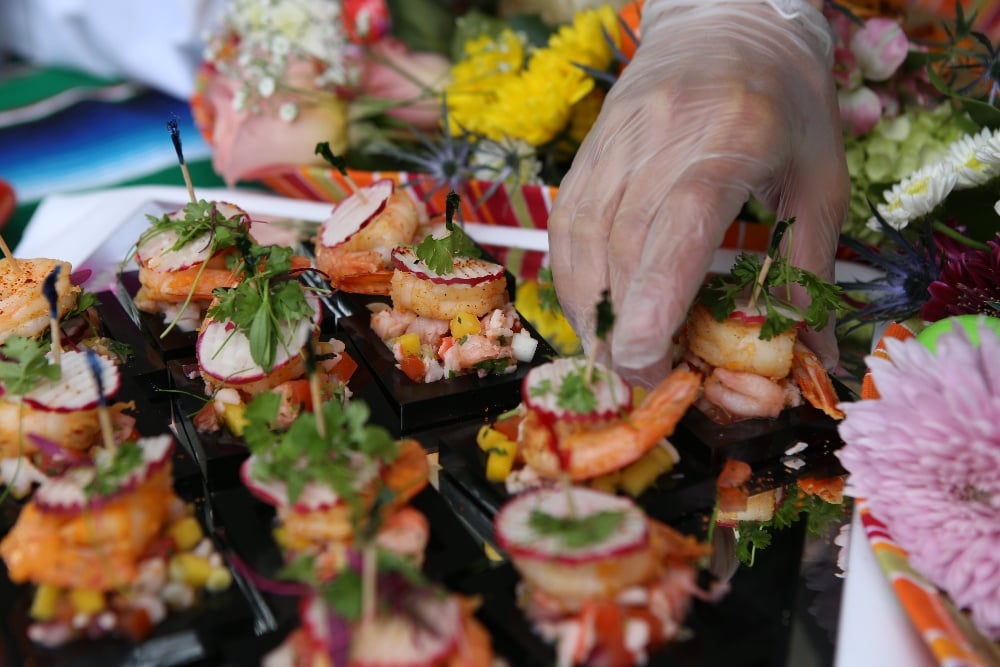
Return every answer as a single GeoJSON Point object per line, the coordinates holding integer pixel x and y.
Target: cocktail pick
{"type": "Point", "coordinates": [340, 164]}
{"type": "Point", "coordinates": [175, 136]}
{"type": "Point", "coordinates": [779, 231]}
{"type": "Point", "coordinates": [9, 255]}
{"type": "Point", "coordinates": [102, 404]}
{"type": "Point", "coordinates": [314, 388]}
{"type": "Point", "coordinates": [52, 296]}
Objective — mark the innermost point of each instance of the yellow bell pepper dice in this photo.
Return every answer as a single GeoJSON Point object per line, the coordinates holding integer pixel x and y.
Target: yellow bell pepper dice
{"type": "Point", "coordinates": [640, 475]}
{"type": "Point", "coordinates": [489, 438]}
{"type": "Point", "coordinates": [499, 463]}
{"type": "Point", "coordinates": [43, 605]}
{"type": "Point", "coordinates": [234, 415]}
{"type": "Point", "coordinates": [409, 344]}
{"type": "Point", "coordinates": [86, 600]}
{"type": "Point", "coordinates": [191, 569]}
{"type": "Point", "coordinates": [186, 533]}
{"type": "Point", "coordinates": [464, 324]}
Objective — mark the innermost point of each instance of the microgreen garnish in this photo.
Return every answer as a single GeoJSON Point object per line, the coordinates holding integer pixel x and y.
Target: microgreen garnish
{"type": "Point", "coordinates": [547, 299]}
{"type": "Point", "coordinates": [111, 471]}
{"type": "Point", "coordinates": [199, 218]}
{"type": "Point", "coordinates": [264, 302]}
{"type": "Point", "coordinates": [439, 254]}
{"type": "Point", "coordinates": [574, 393]}
{"type": "Point", "coordinates": [300, 455]}
{"type": "Point", "coordinates": [84, 301]}
{"type": "Point", "coordinates": [25, 365]}
{"type": "Point", "coordinates": [721, 292]}
{"type": "Point", "coordinates": [575, 532]}
{"type": "Point", "coordinates": [493, 365]}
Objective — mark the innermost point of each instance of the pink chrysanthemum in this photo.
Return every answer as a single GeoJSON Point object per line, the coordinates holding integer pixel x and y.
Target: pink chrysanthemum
{"type": "Point", "coordinates": [926, 455]}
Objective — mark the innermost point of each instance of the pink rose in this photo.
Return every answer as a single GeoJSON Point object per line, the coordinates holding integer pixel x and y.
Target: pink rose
{"type": "Point", "coordinates": [860, 110]}
{"type": "Point", "coordinates": [880, 48]}
{"type": "Point", "coordinates": [283, 132]}
{"type": "Point", "coordinates": [412, 79]}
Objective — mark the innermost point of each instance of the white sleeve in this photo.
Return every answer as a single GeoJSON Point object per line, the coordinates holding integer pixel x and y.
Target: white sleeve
{"type": "Point", "coordinates": [803, 12]}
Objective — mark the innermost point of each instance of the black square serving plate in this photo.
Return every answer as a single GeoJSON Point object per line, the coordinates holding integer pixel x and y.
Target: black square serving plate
{"type": "Point", "coordinates": [419, 406]}
{"type": "Point", "coordinates": [168, 344]}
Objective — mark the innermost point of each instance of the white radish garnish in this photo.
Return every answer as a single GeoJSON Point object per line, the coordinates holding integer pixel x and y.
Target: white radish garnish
{"type": "Point", "coordinates": [425, 634]}
{"type": "Point", "coordinates": [157, 252]}
{"type": "Point", "coordinates": [758, 313]}
{"type": "Point", "coordinates": [523, 346]}
{"type": "Point", "coordinates": [596, 548]}
{"type": "Point", "coordinates": [315, 497]}
{"type": "Point", "coordinates": [542, 390]}
{"type": "Point", "coordinates": [71, 491]}
{"type": "Point", "coordinates": [356, 212]}
{"type": "Point", "coordinates": [75, 389]}
{"type": "Point", "coordinates": [466, 271]}
{"type": "Point", "coordinates": [224, 352]}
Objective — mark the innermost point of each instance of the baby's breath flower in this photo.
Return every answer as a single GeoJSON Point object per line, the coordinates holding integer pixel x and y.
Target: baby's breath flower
{"type": "Point", "coordinates": [917, 195]}
{"type": "Point", "coordinates": [288, 112]}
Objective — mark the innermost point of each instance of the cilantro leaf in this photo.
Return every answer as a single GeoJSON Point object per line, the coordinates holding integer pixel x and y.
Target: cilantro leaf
{"type": "Point", "coordinates": [576, 394]}
{"type": "Point", "coordinates": [111, 471]}
{"type": "Point", "coordinates": [576, 532]}
{"type": "Point", "coordinates": [605, 315]}
{"type": "Point", "coordinates": [25, 365]}
{"type": "Point", "coordinates": [439, 254]}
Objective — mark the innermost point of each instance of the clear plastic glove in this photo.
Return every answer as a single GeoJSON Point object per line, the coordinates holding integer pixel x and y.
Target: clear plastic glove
{"type": "Point", "coordinates": [722, 100]}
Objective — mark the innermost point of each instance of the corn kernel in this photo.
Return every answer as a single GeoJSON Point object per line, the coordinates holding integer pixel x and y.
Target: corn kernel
{"type": "Point", "coordinates": [464, 324]}
{"type": "Point", "coordinates": [86, 600]}
{"type": "Point", "coordinates": [409, 344]}
{"type": "Point", "coordinates": [43, 606]}
{"type": "Point", "coordinates": [190, 569]}
{"type": "Point", "coordinates": [186, 533]}
{"type": "Point", "coordinates": [234, 415]}
{"type": "Point", "coordinates": [219, 579]}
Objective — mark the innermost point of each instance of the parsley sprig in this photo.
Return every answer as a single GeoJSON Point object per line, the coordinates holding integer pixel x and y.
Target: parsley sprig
{"type": "Point", "coordinates": [576, 532]}
{"type": "Point", "coordinates": [25, 365]}
{"type": "Point", "coordinates": [439, 254]}
{"type": "Point", "coordinates": [574, 393]}
{"type": "Point", "coordinates": [269, 299]}
{"type": "Point", "coordinates": [300, 455]}
{"type": "Point", "coordinates": [720, 293]}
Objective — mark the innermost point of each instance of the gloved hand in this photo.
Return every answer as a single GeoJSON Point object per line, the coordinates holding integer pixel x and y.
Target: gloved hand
{"type": "Point", "coordinates": [722, 100]}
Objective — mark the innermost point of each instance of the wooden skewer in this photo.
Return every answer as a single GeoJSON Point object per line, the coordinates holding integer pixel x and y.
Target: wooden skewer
{"type": "Point", "coordinates": [759, 283]}
{"type": "Point", "coordinates": [56, 340]}
{"type": "Point", "coordinates": [107, 431]}
{"type": "Point", "coordinates": [9, 255]}
{"type": "Point", "coordinates": [317, 403]}
{"type": "Point", "coordinates": [175, 136]}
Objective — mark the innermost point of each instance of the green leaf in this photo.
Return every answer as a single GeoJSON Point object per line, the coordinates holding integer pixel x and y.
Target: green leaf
{"type": "Point", "coordinates": [576, 394]}
{"type": "Point", "coordinates": [577, 532]}
{"type": "Point", "coordinates": [605, 315]}
{"type": "Point", "coordinates": [343, 594]}
{"type": "Point", "coordinates": [109, 473]}
{"type": "Point", "coordinates": [26, 365]}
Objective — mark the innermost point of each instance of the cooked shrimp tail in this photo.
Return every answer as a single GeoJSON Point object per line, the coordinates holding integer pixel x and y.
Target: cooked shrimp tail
{"type": "Point", "coordinates": [814, 382]}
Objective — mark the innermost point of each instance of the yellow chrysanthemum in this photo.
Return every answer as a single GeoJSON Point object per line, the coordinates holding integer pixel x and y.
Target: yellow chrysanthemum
{"type": "Point", "coordinates": [584, 113]}
{"type": "Point", "coordinates": [500, 93]}
{"type": "Point", "coordinates": [552, 326]}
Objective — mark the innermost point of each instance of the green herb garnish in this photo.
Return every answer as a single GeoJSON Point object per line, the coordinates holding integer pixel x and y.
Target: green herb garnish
{"type": "Point", "coordinates": [721, 292]}
{"type": "Point", "coordinates": [300, 455]}
{"type": "Point", "coordinates": [574, 392]}
{"type": "Point", "coordinates": [439, 254]}
{"type": "Point", "coordinates": [199, 218]}
{"type": "Point", "coordinates": [492, 365]}
{"type": "Point", "coordinates": [27, 365]}
{"type": "Point", "coordinates": [547, 299]}
{"type": "Point", "coordinates": [111, 471]}
{"type": "Point", "coordinates": [605, 316]}
{"type": "Point", "coordinates": [577, 532]}
{"type": "Point", "coordinates": [264, 302]}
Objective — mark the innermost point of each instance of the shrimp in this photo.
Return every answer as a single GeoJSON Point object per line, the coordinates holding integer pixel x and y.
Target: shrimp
{"type": "Point", "coordinates": [24, 310]}
{"type": "Point", "coordinates": [390, 323]}
{"type": "Point", "coordinates": [444, 301]}
{"type": "Point", "coordinates": [362, 264]}
{"type": "Point", "coordinates": [194, 282]}
{"type": "Point", "coordinates": [77, 430]}
{"type": "Point", "coordinates": [474, 349]}
{"type": "Point", "coordinates": [737, 346]}
{"type": "Point", "coordinates": [813, 380]}
{"type": "Point", "coordinates": [744, 395]}
{"type": "Point", "coordinates": [591, 450]}
{"type": "Point", "coordinates": [94, 548]}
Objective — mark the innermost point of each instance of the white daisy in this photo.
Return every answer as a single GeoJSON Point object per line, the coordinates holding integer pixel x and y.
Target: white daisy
{"type": "Point", "coordinates": [917, 195]}
{"type": "Point", "coordinates": [964, 156]}
{"type": "Point", "coordinates": [988, 152]}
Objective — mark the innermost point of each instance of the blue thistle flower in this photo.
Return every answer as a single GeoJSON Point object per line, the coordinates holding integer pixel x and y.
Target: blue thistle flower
{"type": "Point", "coordinates": [907, 273]}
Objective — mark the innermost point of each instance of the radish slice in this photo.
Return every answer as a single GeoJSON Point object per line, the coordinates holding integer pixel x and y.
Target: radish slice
{"type": "Point", "coordinates": [758, 314]}
{"type": "Point", "coordinates": [315, 497]}
{"type": "Point", "coordinates": [157, 254]}
{"type": "Point", "coordinates": [541, 388]}
{"type": "Point", "coordinates": [224, 352]}
{"type": "Point", "coordinates": [76, 388]}
{"type": "Point", "coordinates": [518, 537]}
{"type": "Point", "coordinates": [355, 213]}
{"type": "Point", "coordinates": [467, 270]}
{"type": "Point", "coordinates": [68, 492]}
{"type": "Point", "coordinates": [425, 635]}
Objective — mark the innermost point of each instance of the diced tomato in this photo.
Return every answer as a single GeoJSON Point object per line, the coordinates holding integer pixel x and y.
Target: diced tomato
{"type": "Point", "coordinates": [609, 629]}
{"type": "Point", "coordinates": [734, 473]}
{"type": "Point", "coordinates": [294, 393]}
{"type": "Point", "coordinates": [414, 367]}
{"type": "Point", "coordinates": [206, 420]}
{"type": "Point", "coordinates": [134, 623]}
{"type": "Point", "coordinates": [446, 343]}
{"type": "Point", "coordinates": [508, 426]}
{"type": "Point", "coordinates": [344, 368]}
{"type": "Point", "coordinates": [161, 547]}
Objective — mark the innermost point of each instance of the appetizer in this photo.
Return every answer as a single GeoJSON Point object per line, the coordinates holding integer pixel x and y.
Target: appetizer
{"type": "Point", "coordinates": [451, 312]}
{"type": "Point", "coordinates": [25, 309]}
{"type": "Point", "coordinates": [745, 340]}
{"type": "Point", "coordinates": [259, 335]}
{"type": "Point", "coordinates": [354, 243]}
{"type": "Point", "coordinates": [578, 419]}
{"type": "Point", "coordinates": [50, 411]}
{"type": "Point", "coordinates": [600, 580]}
{"type": "Point", "coordinates": [185, 255]}
{"type": "Point", "coordinates": [327, 479]}
{"type": "Point", "coordinates": [110, 547]}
